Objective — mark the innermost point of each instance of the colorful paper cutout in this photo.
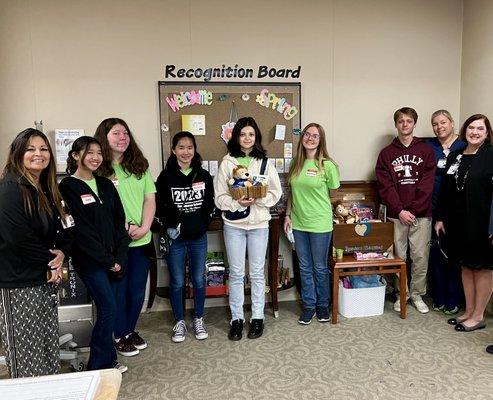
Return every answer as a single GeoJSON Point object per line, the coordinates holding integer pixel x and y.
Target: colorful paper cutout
{"type": "Point", "coordinates": [184, 99]}
{"type": "Point", "coordinates": [227, 130]}
{"type": "Point", "coordinates": [281, 105]}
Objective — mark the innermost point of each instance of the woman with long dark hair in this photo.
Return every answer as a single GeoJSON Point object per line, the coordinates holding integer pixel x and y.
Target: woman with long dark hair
{"type": "Point", "coordinates": [185, 202]}
{"type": "Point", "coordinates": [464, 212]}
{"type": "Point", "coordinates": [246, 223]}
{"type": "Point", "coordinates": [101, 242]}
{"type": "Point", "coordinates": [128, 169]}
{"type": "Point", "coordinates": [33, 246]}
{"type": "Point", "coordinates": [309, 216]}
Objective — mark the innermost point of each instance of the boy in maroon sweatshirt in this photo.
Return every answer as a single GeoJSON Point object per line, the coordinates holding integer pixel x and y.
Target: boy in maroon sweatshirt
{"type": "Point", "coordinates": [405, 173]}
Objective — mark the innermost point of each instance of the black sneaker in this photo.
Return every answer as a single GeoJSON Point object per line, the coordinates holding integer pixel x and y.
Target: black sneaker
{"type": "Point", "coordinates": [125, 348]}
{"type": "Point", "coordinates": [306, 316]}
{"type": "Point", "coordinates": [137, 341]}
{"type": "Point", "coordinates": [323, 314]}
{"type": "Point", "coordinates": [256, 328]}
{"type": "Point", "coordinates": [236, 330]}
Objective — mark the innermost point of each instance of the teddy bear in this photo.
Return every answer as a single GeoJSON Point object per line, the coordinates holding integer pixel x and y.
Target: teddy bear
{"type": "Point", "coordinates": [241, 177]}
{"type": "Point", "coordinates": [239, 182]}
{"type": "Point", "coordinates": [343, 215]}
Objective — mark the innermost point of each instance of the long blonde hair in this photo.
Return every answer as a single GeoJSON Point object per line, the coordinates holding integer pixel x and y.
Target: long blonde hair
{"type": "Point", "coordinates": [320, 156]}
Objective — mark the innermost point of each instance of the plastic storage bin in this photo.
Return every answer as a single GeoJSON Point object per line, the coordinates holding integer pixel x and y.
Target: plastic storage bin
{"type": "Point", "coordinates": [364, 302]}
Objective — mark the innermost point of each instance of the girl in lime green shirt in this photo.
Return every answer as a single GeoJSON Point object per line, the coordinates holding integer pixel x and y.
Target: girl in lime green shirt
{"type": "Point", "coordinates": [309, 216]}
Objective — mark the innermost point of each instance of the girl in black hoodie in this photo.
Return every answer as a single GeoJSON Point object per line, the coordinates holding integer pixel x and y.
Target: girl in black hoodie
{"type": "Point", "coordinates": [185, 202]}
{"type": "Point", "coordinates": [101, 242]}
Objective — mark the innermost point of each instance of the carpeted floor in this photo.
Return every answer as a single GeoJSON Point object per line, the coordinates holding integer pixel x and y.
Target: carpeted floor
{"type": "Point", "coordinates": [381, 357]}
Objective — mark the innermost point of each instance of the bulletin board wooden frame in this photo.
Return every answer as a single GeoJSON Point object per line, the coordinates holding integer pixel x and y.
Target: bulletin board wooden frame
{"type": "Point", "coordinates": [211, 146]}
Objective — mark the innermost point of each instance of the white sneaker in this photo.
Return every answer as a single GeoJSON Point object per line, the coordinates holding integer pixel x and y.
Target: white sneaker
{"type": "Point", "coordinates": [419, 304]}
{"type": "Point", "coordinates": [179, 332]}
{"type": "Point", "coordinates": [120, 367]}
{"type": "Point", "coordinates": [397, 305]}
{"type": "Point", "coordinates": [199, 330]}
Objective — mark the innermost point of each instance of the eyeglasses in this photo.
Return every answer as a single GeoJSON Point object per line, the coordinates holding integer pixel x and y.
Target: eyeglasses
{"type": "Point", "coordinates": [314, 136]}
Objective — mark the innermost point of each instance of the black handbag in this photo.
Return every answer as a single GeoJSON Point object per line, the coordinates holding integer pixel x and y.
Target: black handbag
{"type": "Point", "coordinates": [235, 215]}
{"type": "Point", "coordinates": [164, 241]}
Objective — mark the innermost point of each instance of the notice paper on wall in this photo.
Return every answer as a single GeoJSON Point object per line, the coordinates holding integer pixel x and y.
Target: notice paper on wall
{"type": "Point", "coordinates": [195, 124]}
{"type": "Point", "coordinates": [280, 165]}
{"type": "Point", "coordinates": [280, 132]}
{"type": "Point", "coordinates": [213, 166]}
{"type": "Point", "coordinates": [63, 143]}
{"type": "Point", "coordinates": [288, 150]}
{"type": "Point", "coordinates": [287, 164]}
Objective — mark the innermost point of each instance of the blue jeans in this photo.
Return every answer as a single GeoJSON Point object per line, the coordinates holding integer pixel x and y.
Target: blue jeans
{"type": "Point", "coordinates": [312, 250]}
{"type": "Point", "coordinates": [130, 291]}
{"type": "Point", "coordinates": [238, 241]}
{"type": "Point", "coordinates": [197, 252]}
{"type": "Point", "coordinates": [103, 354]}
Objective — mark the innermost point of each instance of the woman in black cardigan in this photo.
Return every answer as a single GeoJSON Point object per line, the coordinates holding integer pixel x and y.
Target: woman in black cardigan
{"type": "Point", "coordinates": [101, 242]}
{"type": "Point", "coordinates": [464, 205]}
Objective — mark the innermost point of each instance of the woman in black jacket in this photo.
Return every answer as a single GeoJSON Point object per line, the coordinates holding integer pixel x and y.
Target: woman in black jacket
{"type": "Point", "coordinates": [464, 211]}
{"type": "Point", "coordinates": [101, 242]}
{"type": "Point", "coordinates": [185, 202]}
{"type": "Point", "coordinates": [33, 246]}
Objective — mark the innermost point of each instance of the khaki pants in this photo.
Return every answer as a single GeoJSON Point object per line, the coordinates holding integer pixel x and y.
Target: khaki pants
{"type": "Point", "coordinates": [418, 236]}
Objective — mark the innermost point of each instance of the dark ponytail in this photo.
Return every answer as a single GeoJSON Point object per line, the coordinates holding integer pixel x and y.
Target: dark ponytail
{"type": "Point", "coordinates": [80, 144]}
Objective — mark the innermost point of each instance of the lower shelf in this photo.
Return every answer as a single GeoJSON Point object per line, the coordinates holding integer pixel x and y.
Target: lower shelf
{"type": "Point", "coordinates": [215, 291]}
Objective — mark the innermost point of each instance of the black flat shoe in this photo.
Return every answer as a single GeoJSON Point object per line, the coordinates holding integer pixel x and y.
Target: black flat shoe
{"type": "Point", "coordinates": [489, 349]}
{"type": "Point", "coordinates": [462, 328]}
{"type": "Point", "coordinates": [256, 328]}
{"type": "Point", "coordinates": [236, 330]}
{"type": "Point", "coordinates": [454, 321]}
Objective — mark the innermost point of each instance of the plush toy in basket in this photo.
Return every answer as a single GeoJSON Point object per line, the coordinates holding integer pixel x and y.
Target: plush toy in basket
{"type": "Point", "coordinates": [241, 184]}
{"type": "Point", "coordinates": [344, 215]}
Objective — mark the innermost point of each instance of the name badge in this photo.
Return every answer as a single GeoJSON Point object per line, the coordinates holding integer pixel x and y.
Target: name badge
{"type": "Point", "coordinates": [68, 221]}
{"type": "Point", "coordinates": [311, 172]}
{"type": "Point", "coordinates": [442, 162]}
{"type": "Point", "coordinates": [115, 181]}
{"type": "Point", "coordinates": [260, 180]}
{"type": "Point", "coordinates": [196, 186]}
{"type": "Point", "coordinates": [87, 198]}
{"type": "Point", "coordinates": [453, 169]}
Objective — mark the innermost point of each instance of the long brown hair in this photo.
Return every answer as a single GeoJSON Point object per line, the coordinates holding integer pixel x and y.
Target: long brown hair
{"type": "Point", "coordinates": [320, 156]}
{"type": "Point", "coordinates": [47, 179]}
{"type": "Point", "coordinates": [133, 161]}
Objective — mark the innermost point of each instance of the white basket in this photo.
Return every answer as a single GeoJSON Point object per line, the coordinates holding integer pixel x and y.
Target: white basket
{"type": "Point", "coordinates": [361, 302]}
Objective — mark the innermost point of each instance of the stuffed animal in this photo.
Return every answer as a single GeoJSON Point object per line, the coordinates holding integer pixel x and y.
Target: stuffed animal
{"type": "Point", "coordinates": [343, 215]}
{"type": "Point", "coordinates": [241, 177]}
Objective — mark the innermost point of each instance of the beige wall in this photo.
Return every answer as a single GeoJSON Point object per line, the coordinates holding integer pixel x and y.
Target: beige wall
{"type": "Point", "coordinates": [73, 63]}
{"type": "Point", "coordinates": [477, 59]}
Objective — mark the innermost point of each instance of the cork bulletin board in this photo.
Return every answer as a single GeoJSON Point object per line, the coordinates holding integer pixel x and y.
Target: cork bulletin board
{"type": "Point", "coordinates": [214, 101]}
{"type": "Point", "coordinates": [209, 109]}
